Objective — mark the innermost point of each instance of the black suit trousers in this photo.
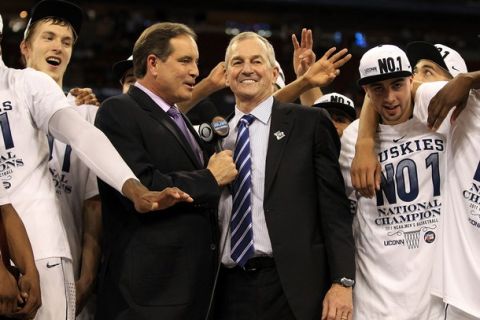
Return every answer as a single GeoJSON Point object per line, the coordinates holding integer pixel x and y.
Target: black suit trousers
{"type": "Point", "coordinates": [251, 295]}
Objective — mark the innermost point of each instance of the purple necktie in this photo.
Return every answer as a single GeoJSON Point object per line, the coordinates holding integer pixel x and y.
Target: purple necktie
{"type": "Point", "coordinates": [177, 117]}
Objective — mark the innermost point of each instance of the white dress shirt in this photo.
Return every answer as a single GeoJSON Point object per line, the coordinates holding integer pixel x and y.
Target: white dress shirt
{"type": "Point", "coordinates": [259, 131]}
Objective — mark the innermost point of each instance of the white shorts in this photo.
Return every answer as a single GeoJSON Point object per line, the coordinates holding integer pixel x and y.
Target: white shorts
{"type": "Point", "coordinates": [58, 289]}
{"type": "Point", "coordinates": [452, 313]}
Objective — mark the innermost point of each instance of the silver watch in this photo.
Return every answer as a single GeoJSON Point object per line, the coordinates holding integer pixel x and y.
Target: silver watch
{"type": "Point", "coordinates": [346, 282]}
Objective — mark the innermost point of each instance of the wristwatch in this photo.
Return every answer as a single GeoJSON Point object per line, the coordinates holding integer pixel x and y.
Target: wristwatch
{"type": "Point", "coordinates": [346, 282]}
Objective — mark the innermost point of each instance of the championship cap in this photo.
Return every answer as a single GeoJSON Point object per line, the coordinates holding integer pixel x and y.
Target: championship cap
{"type": "Point", "coordinates": [59, 9]}
{"type": "Point", "coordinates": [337, 103]}
{"type": "Point", "coordinates": [281, 76]}
{"type": "Point", "coordinates": [120, 67]}
{"type": "Point", "coordinates": [382, 63]}
{"type": "Point", "coordinates": [444, 56]}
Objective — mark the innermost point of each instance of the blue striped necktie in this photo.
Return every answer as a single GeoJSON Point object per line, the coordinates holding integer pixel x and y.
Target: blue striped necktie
{"type": "Point", "coordinates": [241, 224]}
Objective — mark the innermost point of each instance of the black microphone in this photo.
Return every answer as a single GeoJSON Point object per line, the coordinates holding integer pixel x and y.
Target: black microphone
{"type": "Point", "coordinates": [214, 132]}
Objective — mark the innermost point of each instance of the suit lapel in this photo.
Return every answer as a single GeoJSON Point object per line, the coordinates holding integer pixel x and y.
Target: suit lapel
{"type": "Point", "coordinates": [200, 142]}
{"type": "Point", "coordinates": [147, 104]}
{"type": "Point", "coordinates": [280, 131]}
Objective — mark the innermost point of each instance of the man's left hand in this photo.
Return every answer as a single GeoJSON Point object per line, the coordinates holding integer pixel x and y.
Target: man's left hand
{"type": "Point", "coordinates": [337, 304]}
{"type": "Point", "coordinates": [159, 200]}
{"type": "Point", "coordinates": [145, 200]}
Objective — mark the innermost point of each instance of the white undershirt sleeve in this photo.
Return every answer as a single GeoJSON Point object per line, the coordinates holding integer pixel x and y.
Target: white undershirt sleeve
{"type": "Point", "coordinates": [92, 147]}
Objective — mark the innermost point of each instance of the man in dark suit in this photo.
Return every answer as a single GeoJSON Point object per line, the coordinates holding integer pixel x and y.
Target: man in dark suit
{"type": "Point", "coordinates": [288, 250]}
{"type": "Point", "coordinates": [160, 265]}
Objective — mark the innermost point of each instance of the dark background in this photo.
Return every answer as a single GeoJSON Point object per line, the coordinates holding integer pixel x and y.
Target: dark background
{"type": "Point", "coordinates": [111, 28]}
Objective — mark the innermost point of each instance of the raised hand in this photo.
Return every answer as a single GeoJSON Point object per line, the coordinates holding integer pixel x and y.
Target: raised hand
{"type": "Point", "coordinates": [212, 83]}
{"type": "Point", "coordinates": [216, 77]}
{"type": "Point", "coordinates": [327, 68]}
{"type": "Point", "coordinates": [303, 55]}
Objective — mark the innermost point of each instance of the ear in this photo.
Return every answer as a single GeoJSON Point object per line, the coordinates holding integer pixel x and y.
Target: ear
{"type": "Point", "coordinates": [24, 49]}
{"type": "Point", "coordinates": [365, 88]}
{"type": "Point", "coordinates": [415, 85]}
{"type": "Point", "coordinates": [151, 62]}
{"type": "Point", "coordinates": [276, 73]}
{"type": "Point", "coordinates": [227, 83]}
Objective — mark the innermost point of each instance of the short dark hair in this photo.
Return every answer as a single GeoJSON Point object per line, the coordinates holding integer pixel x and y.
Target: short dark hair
{"type": "Point", "coordinates": [156, 40]}
{"type": "Point", "coordinates": [53, 20]}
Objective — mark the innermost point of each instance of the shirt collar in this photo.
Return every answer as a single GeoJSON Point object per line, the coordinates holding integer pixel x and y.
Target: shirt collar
{"type": "Point", "coordinates": [262, 112]}
{"type": "Point", "coordinates": [159, 101]}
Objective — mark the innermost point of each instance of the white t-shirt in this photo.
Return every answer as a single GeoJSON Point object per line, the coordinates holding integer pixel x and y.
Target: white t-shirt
{"type": "Point", "coordinates": [457, 272]}
{"type": "Point", "coordinates": [396, 232]}
{"type": "Point", "coordinates": [28, 99]}
{"type": "Point", "coordinates": [74, 183]}
{"type": "Point", "coordinates": [4, 199]}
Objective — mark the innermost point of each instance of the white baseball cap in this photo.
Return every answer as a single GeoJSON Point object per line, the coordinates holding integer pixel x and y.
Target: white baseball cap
{"type": "Point", "coordinates": [337, 102]}
{"type": "Point", "coordinates": [382, 63]}
{"type": "Point", "coordinates": [1, 24]}
{"type": "Point", "coordinates": [281, 76]}
{"type": "Point", "coordinates": [444, 56]}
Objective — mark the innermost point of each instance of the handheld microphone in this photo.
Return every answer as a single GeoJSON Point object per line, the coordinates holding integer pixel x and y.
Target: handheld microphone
{"type": "Point", "coordinates": [214, 132]}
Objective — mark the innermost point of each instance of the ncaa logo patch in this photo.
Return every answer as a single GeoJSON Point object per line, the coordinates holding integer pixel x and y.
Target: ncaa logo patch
{"type": "Point", "coordinates": [429, 236]}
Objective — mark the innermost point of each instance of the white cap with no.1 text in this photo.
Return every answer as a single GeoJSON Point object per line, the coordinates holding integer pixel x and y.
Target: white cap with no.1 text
{"type": "Point", "coordinates": [445, 57]}
{"type": "Point", "coordinates": [382, 63]}
{"type": "Point", "coordinates": [335, 98]}
{"type": "Point", "coordinates": [453, 60]}
{"type": "Point", "coordinates": [334, 102]}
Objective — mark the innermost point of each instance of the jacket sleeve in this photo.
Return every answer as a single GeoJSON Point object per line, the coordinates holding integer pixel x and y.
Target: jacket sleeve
{"type": "Point", "coordinates": [336, 219]}
{"type": "Point", "coordinates": [119, 120]}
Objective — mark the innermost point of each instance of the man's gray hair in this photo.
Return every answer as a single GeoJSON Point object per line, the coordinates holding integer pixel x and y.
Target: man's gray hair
{"type": "Point", "coordinates": [251, 35]}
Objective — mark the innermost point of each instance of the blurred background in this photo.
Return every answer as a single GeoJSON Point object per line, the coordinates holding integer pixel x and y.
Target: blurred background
{"type": "Point", "coordinates": [111, 28]}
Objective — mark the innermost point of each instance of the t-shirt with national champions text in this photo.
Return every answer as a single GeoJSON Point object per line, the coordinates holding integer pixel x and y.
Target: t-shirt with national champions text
{"type": "Point", "coordinates": [396, 232]}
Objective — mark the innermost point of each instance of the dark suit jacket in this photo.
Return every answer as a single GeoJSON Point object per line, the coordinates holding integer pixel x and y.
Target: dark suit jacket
{"type": "Point", "coordinates": [306, 209]}
{"type": "Point", "coordinates": [158, 265]}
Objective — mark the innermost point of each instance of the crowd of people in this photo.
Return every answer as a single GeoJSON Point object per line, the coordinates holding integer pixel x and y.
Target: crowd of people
{"type": "Point", "coordinates": [294, 211]}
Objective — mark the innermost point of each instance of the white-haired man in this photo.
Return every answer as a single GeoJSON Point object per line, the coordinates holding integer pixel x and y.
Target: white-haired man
{"type": "Point", "coordinates": [287, 221]}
